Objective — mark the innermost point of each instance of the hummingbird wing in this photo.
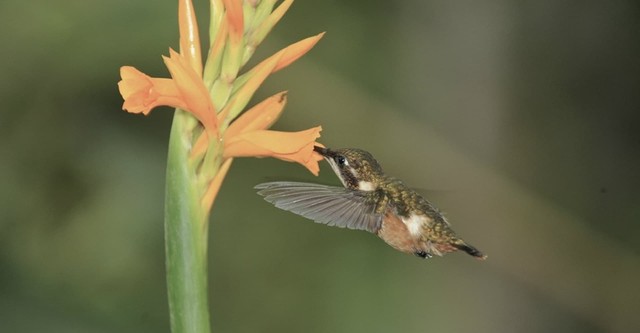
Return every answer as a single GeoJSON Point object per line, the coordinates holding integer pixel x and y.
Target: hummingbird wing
{"type": "Point", "coordinates": [330, 205]}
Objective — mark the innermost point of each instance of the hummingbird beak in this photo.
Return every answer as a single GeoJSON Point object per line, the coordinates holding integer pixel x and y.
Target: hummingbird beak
{"type": "Point", "coordinates": [328, 155]}
{"type": "Point", "coordinates": [322, 151]}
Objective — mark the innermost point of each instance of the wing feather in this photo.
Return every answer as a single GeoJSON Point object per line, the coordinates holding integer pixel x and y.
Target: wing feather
{"type": "Point", "coordinates": [330, 205]}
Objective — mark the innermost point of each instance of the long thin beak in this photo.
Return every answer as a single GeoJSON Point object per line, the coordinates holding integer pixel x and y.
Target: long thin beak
{"type": "Point", "coordinates": [325, 152]}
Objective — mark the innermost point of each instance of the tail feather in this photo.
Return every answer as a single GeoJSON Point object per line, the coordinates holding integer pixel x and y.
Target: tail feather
{"type": "Point", "coordinates": [472, 251]}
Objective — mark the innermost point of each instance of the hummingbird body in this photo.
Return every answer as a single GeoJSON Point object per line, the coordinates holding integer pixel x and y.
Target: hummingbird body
{"type": "Point", "coordinates": [371, 201]}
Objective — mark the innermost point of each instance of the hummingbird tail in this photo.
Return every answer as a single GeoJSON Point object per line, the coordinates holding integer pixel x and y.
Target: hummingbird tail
{"type": "Point", "coordinates": [472, 251]}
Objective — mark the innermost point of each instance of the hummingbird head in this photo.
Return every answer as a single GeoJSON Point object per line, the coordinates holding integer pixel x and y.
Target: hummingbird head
{"type": "Point", "coordinates": [356, 168]}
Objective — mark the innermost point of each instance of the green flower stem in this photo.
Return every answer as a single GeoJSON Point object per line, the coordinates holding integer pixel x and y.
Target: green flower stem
{"type": "Point", "coordinates": [185, 235]}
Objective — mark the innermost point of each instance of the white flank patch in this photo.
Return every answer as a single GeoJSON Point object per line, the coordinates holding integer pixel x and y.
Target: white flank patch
{"type": "Point", "coordinates": [366, 186]}
{"type": "Point", "coordinates": [414, 223]}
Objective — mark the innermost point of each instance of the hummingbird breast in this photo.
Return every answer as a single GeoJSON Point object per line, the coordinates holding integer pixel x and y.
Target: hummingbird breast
{"type": "Point", "coordinates": [396, 233]}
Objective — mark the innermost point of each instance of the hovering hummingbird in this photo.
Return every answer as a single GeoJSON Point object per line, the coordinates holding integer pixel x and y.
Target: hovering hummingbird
{"type": "Point", "coordinates": [372, 201]}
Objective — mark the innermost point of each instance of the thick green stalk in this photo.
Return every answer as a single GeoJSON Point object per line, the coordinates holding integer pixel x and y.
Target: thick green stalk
{"type": "Point", "coordinates": [185, 235]}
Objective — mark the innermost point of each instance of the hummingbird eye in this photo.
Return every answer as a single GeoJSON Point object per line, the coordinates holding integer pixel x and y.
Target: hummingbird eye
{"type": "Point", "coordinates": [341, 160]}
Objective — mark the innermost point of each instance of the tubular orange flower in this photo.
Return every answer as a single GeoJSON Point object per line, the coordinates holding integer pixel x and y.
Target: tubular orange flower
{"type": "Point", "coordinates": [193, 90]}
{"type": "Point", "coordinates": [247, 136]}
{"type": "Point", "coordinates": [236, 20]}
{"type": "Point", "coordinates": [297, 50]}
{"type": "Point", "coordinates": [287, 146]}
{"type": "Point", "coordinates": [142, 93]}
{"type": "Point", "coordinates": [185, 91]}
{"type": "Point", "coordinates": [244, 135]}
{"type": "Point", "coordinates": [261, 116]}
{"type": "Point", "coordinates": [189, 35]}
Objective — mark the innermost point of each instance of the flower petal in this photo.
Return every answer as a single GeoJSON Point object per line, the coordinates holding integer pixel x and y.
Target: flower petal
{"type": "Point", "coordinates": [260, 117]}
{"type": "Point", "coordinates": [258, 34]}
{"type": "Point", "coordinates": [236, 20]}
{"type": "Point", "coordinates": [243, 94]}
{"type": "Point", "coordinates": [200, 147]}
{"type": "Point", "coordinates": [288, 146]}
{"type": "Point", "coordinates": [214, 187]}
{"type": "Point", "coordinates": [189, 35]}
{"type": "Point", "coordinates": [213, 63]}
{"type": "Point", "coordinates": [231, 61]}
{"type": "Point", "coordinates": [141, 93]}
{"type": "Point", "coordinates": [296, 50]}
{"type": "Point", "coordinates": [193, 91]}
{"type": "Point", "coordinates": [285, 56]}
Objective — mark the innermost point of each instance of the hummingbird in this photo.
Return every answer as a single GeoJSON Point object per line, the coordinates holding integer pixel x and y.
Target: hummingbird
{"type": "Point", "coordinates": [372, 201]}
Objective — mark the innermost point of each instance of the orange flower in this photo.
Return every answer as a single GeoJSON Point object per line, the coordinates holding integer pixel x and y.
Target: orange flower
{"type": "Point", "coordinates": [247, 135]}
{"type": "Point", "coordinates": [142, 93]}
{"type": "Point", "coordinates": [189, 35]}
{"type": "Point", "coordinates": [287, 146]}
{"type": "Point", "coordinates": [242, 134]}
{"type": "Point", "coordinates": [185, 91]}
{"type": "Point", "coordinates": [193, 91]}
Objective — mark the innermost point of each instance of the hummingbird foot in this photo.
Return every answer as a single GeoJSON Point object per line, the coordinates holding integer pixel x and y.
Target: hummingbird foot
{"type": "Point", "coordinates": [422, 254]}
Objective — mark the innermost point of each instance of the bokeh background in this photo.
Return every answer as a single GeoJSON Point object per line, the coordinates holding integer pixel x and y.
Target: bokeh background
{"type": "Point", "coordinates": [521, 118]}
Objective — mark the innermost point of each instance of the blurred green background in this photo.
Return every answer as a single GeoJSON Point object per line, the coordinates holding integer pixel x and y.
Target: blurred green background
{"type": "Point", "coordinates": [522, 117]}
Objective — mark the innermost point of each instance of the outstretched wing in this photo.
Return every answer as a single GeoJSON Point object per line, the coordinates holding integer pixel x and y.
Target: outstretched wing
{"type": "Point", "coordinates": [330, 205]}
